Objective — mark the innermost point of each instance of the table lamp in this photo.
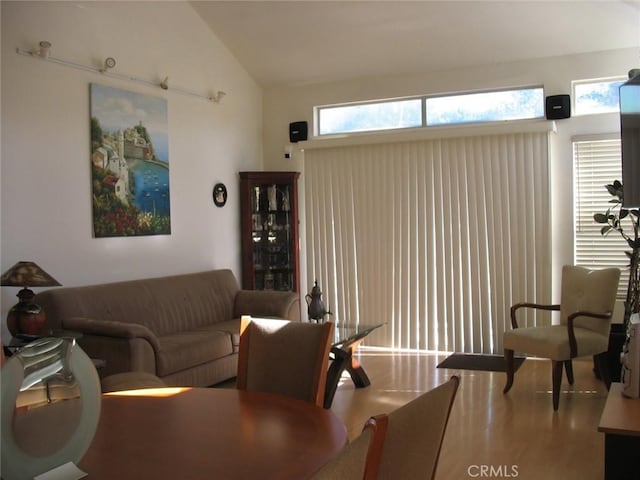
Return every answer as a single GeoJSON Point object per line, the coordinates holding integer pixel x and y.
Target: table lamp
{"type": "Point", "coordinates": [27, 318]}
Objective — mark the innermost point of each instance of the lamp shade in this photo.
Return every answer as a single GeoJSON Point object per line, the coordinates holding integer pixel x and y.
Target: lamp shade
{"type": "Point", "coordinates": [27, 274]}
{"type": "Point", "coordinates": [26, 317]}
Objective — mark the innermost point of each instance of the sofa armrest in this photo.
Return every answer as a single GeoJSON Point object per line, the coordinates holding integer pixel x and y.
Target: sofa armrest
{"type": "Point", "coordinates": [110, 328]}
{"type": "Point", "coordinates": [267, 303]}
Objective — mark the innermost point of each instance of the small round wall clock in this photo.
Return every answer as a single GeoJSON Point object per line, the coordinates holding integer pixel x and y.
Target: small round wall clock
{"type": "Point", "coordinates": [219, 195]}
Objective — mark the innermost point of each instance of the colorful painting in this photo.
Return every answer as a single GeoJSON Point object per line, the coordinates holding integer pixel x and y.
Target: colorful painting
{"type": "Point", "coordinates": [129, 163]}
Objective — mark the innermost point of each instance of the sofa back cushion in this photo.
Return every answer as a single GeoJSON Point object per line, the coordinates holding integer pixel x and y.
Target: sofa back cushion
{"type": "Point", "coordinates": [165, 305]}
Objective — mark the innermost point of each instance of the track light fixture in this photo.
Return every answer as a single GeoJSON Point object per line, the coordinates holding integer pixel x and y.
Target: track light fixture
{"type": "Point", "coordinates": [217, 96]}
{"type": "Point", "coordinates": [109, 63]}
{"type": "Point", "coordinates": [43, 51]}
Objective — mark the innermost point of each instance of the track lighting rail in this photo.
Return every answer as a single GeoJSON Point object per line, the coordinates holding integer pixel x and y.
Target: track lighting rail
{"type": "Point", "coordinates": [43, 53]}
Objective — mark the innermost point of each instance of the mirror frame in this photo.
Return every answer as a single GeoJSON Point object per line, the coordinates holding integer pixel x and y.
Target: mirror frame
{"type": "Point", "coordinates": [18, 464]}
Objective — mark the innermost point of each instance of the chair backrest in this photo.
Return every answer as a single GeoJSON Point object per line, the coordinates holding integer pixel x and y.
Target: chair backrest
{"type": "Point", "coordinates": [588, 290]}
{"type": "Point", "coordinates": [283, 357]}
{"type": "Point", "coordinates": [414, 434]}
{"type": "Point", "coordinates": [359, 456]}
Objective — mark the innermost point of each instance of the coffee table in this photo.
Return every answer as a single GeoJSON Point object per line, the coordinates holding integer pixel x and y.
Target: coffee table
{"type": "Point", "coordinates": [347, 338]}
{"type": "Point", "coordinates": [210, 433]}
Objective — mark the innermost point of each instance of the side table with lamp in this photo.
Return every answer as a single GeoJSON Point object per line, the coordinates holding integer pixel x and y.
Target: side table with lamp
{"type": "Point", "coordinates": [27, 319]}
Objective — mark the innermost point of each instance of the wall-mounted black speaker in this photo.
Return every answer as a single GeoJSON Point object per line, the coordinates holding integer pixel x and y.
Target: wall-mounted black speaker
{"type": "Point", "coordinates": [298, 132]}
{"type": "Point", "coordinates": [557, 106]}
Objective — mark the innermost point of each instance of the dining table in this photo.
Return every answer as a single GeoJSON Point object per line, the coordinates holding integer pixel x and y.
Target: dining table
{"type": "Point", "coordinates": [210, 433]}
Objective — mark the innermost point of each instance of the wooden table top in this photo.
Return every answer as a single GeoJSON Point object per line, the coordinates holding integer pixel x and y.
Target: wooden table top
{"type": "Point", "coordinates": [210, 433]}
{"type": "Point", "coordinates": [621, 415]}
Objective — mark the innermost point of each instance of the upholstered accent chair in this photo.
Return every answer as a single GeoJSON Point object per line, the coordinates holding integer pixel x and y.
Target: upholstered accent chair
{"type": "Point", "coordinates": [413, 436]}
{"type": "Point", "coordinates": [283, 357]}
{"type": "Point", "coordinates": [586, 307]}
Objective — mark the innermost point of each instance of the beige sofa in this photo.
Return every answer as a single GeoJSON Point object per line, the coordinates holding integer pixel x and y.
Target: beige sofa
{"type": "Point", "coordinates": [182, 328]}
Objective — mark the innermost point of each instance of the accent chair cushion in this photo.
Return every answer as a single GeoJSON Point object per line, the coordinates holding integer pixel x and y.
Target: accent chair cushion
{"type": "Point", "coordinates": [553, 341]}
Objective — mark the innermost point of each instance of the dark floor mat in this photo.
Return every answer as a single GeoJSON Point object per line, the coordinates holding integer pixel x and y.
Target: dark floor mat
{"type": "Point", "coordinates": [476, 361]}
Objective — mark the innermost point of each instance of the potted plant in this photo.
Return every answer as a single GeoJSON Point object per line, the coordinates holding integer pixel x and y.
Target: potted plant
{"type": "Point", "coordinates": [626, 222]}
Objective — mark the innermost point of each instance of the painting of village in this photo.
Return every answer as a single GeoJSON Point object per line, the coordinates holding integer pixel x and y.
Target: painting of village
{"type": "Point", "coordinates": [129, 163]}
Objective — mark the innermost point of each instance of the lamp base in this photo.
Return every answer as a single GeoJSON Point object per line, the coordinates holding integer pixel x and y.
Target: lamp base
{"type": "Point", "coordinates": [26, 317]}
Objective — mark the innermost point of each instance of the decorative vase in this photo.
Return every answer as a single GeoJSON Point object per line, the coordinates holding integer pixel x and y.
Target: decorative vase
{"type": "Point", "coordinates": [315, 306]}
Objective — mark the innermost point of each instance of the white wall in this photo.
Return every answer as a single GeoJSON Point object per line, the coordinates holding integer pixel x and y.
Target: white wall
{"type": "Point", "coordinates": [45, 187]}
{"type": "Point", "coordinates": [294, 103]}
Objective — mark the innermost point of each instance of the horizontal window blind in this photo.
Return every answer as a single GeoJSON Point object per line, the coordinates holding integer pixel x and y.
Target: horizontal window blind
{"type": "Point", "coordinates": [596, 164]}
{"type": "Point", "coordinates": [437, 238]}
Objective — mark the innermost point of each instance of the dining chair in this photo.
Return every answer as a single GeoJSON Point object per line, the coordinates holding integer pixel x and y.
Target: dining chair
{"type": "Point", "coordinates": [413, 436]}
{"type": "Point", "coordinates": [284, 357]}
{"type": "Point", "coordinates": [359, 459]}
{"type": "Point", "coordinates": [586, 306]}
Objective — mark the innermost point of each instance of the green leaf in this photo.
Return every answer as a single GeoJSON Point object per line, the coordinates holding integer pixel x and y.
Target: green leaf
{"type": "Point", "coordinates": [600, 218]}
{"type": "Point", "coordinates": [623, 213]}
{"type": "Point", "coordinates": [604, 230]}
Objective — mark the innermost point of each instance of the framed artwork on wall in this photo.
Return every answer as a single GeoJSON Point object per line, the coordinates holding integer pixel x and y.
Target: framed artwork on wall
{"type": "Point", "coordinates": [129, 163]}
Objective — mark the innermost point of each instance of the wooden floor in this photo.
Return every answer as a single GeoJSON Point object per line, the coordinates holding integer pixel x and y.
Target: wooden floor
{"type": "Point", "coordinates": [518, 435]}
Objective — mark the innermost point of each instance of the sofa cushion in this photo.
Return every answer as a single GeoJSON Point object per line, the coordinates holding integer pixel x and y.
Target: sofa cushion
{"type": "Point", "coordinates": [184, 350]}
{"type": "Point", "coordinates": [232, 327]}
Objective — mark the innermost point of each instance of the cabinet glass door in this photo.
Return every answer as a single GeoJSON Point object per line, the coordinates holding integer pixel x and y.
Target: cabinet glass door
{"type": "Point", "coordinates": [270, 233]}
{"type": "Point", "coordinates": [271, 236]}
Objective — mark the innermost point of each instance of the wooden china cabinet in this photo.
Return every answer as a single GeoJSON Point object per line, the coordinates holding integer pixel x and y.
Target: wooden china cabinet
{"type": "Point", "coordinates": [269, 211]}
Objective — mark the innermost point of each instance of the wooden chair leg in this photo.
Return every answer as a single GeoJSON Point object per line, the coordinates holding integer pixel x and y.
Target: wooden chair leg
{"type": "Point", "coordinates": [602, 367]}
{"type": "Point", "coordinates": [509, 368]}
{"type": "Point", "coordinates": [568, 366]}
{"type": "Point", "coordinates": [556, 379]}
{"type": "Point", "coordinates": [595, 368]}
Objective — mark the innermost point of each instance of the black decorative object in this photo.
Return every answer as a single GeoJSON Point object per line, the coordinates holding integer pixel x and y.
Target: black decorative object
{"type": "Point", "coordinates": [219, 195]}
{"type": "Point", "coordinates": [315, 307]}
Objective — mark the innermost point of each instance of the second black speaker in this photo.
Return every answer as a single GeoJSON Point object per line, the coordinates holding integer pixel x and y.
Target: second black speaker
{"type": "Point", "coordinates": [557, 107]}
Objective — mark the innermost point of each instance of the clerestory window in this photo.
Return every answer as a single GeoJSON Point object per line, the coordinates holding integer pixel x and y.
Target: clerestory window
{"type": "Point", "coordinates": [429, 111]}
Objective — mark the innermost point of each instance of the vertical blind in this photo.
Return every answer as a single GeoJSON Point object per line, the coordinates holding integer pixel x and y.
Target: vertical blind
{"type": "Point", "coordinates": [596, 164]}
{"type": "Point", "coordinates": [437, 238]}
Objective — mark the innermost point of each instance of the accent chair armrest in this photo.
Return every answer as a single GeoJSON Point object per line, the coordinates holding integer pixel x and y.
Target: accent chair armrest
{"type": "Point", "coordinates": [267, 303]}
{"type": "Point", "coordinates": [515, 307]}
{"type": "Point", "coordinates": [573, 344]}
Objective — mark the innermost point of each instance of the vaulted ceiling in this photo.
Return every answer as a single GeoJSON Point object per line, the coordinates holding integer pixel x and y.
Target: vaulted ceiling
{"type": "Point", "coordinates": [294, 42]}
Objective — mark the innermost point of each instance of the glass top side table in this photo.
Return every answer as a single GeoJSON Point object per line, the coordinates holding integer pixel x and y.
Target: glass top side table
{"type": "Point", "coordinates": [346, 341]}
